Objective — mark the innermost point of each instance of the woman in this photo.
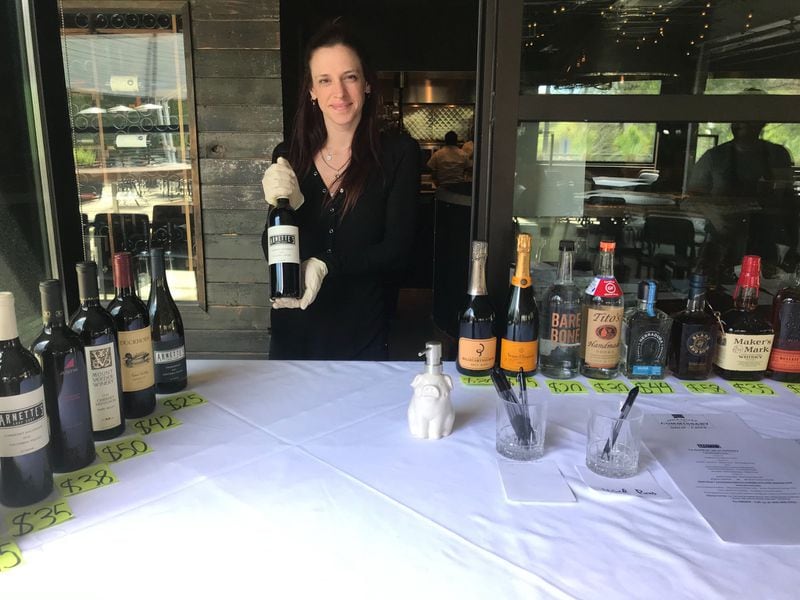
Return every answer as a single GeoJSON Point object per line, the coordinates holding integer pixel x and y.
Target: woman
{"type": "Point", "coordinates": [355, 193]}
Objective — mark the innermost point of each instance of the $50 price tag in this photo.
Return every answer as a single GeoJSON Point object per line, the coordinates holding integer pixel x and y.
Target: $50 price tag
{"type": "Point", "coordinates": [187, 400]}
{"type": "Point", "coordinates": [36, 518]}
{"type": "Point", "coordinates": [117, 451]}
{"type": "Point", "coordinates": [155, 424]}
{"type": "Point", "coordinates": [85, 480]}
{"type": "Point", "coordinates": [10, 556]}
{"type": "Point", "coordinates": [752, 388]}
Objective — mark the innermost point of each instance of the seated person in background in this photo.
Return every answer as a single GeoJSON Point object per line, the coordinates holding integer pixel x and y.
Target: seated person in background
{"type": "Point", "coordinates": [449, 163]}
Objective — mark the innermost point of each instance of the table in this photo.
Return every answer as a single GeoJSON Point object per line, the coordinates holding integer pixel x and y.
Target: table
{"type": "Point", "coordinates": [301, 478]}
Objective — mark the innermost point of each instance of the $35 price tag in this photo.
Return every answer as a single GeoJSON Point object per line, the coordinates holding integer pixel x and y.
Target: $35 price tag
{"type": "Point", "coordinates": [36, 518]}
{"type": "Point", "coordinates": [609, 387]}
{"type": "Point", "coordinates": [566, 387]}
{"type": "Point", "coordinates": [117, 451]}
{"type": "Point", "coordinates": [752, 388]}
{"type": "Point", "coordinates": [188, 400]}
{"type": "Point", "coordinates": [653, 387]}
{"type": "Point", "coordinates": [155, 424]}
{"type": "Point", "coordinates": [85, 480]}
{"type": "Point", "coordinates": [10, 556]}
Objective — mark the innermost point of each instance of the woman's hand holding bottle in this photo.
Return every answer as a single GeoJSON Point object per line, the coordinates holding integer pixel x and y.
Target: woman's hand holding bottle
{"type": "Point", "coordinates": [280, 181]}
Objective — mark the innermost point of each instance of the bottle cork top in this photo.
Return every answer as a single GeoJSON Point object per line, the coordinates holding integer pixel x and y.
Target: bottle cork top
{"type": "Point", "coordinates": [750, 275]}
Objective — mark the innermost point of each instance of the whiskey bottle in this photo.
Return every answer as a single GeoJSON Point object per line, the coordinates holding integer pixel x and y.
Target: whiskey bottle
{"type": "Point", "coordinates": [560, 322]}
{"type": "Point", "coordinates": [784, 361]}
{"type": "Point", "coordinates": [645, 336]}
{"type": "Point", "coordinates": [694, 335]}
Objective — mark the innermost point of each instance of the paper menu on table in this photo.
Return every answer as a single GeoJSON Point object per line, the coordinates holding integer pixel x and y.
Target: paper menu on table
{"type": "Point", "coordinates": [747, 488]}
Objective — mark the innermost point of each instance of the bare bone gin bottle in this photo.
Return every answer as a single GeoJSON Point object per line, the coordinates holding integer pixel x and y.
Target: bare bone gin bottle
{"type": "Point", "coordinates": [560, 332]}
{"type": "Point", "coordinates": [603, 306]}
{"type": "Point", "coordinates": [519, 346]}
{"type": "Point", "coordinates": [477, 343]}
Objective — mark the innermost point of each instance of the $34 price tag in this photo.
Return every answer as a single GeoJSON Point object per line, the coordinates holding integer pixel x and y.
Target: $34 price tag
{"type": "Point", "coordinates": [609, 387]}
{"type": "Point", "coordinates": [10, 556]}
{"type": "Point", "coordinates": [705, 388]}
{"type": "Point", "coordinates": [155, 424]}
{"type": "Point", "coordinates": [653, 387]}
{"type": "Point", "coordinates": [85, 480]}
{"type": "Point", "coordinates": [36, 518]}
{"type": "Point", "coordinates": [117, 451]}
{"type": "Point", "coordinates": [753, 388]}
{"type": "Point", "coordinates": [566, 387]}
{"type": "Point", "coordinates": [180, 401]}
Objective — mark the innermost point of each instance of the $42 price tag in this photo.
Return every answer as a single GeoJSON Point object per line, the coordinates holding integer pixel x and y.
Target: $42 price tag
{"type": "Point", "coordinates": [85, 480]}
{"type": "Point", "coordinates": [752, 388]}
{"type": "Point", "coordinates": [155, 424]}
{"type": "Point", "coordinates": [187, 400]}
{"type": "Point", "coordinates": [653, 387]}
{"type": "Point", "coordinates": [36, 518]}
{"type": "Point", "coordinates": [117, 451]}
{"type": "Point", "coordinates": [705, 388]}
{"type": "Point", "coordinates": [609, 387]}
{"type": "Point", "coordinates": [566, 387]}
{"type": "Point", "coordinates": [10, 556]}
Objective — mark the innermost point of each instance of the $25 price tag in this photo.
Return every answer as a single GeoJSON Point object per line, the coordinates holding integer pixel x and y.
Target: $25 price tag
{"type": "Point", "coordinates": [155, 424]}
{"type": "Point", "coordinates": [752, 388]}
{"type": "Point", "coordinates": [187, 400]}
{"type": "Point", "coordinates": [85, 480]}
{"type": "Point", "coordinates": [10, 556]}
{"type": "Point", "coordinates": [117, 451]}
{"type": "Point", "coordinates": [36, 518]}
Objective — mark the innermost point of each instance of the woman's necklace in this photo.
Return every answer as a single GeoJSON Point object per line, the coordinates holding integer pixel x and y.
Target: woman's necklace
{"type": "Point", "coordinates": [327, 157]}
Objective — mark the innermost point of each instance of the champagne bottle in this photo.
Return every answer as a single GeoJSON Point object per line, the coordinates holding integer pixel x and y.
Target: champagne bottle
{"type": "Point", "coordinates": [166, 327]}
{"type": "Point", "coordinates": [477, 343]}
{"type": "Point", "coordinates": [283, 243]}
{"type": "Point", "coordinates": [26, 475]}
{"type": "Point", "coordinates": [560, 334]}
{"type": "Point", "coordinates": [135, 342]}
{"type": "Point", "coordinates": [519, 345]}
{"type": "Point", "coordinates": [98, 333]}
{"type": "Point", "coordinates": [66, 388]}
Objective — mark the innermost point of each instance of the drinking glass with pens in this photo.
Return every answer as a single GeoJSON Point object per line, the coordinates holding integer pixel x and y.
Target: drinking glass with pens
{"type": "Point", "coordinates": [614, 438]}
{"type": "Point", "coordinates": [521, 420]}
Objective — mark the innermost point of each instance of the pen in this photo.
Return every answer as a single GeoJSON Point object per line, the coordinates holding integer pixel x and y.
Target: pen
{"type": "Point", "coordinates": [623, 413]}
{"type": "Point", "coordinates": [519, 420]}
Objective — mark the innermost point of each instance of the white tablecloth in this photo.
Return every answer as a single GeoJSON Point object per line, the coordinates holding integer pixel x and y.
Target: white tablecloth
{"type": "Point", "coordinates": [299, 479]}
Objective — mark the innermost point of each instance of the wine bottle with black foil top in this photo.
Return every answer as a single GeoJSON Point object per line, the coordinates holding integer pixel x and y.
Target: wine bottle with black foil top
{"type": "Point", "coordinates": [66, 388]}
{"type": "Point", "coordinates": [477, 342]}
{"type": "Point", "coordinates": [519, 345]}
{"type": "Point", "coordinates": [645, 336]}
{"type": "Point", "coordinates": [135, 342]}
{"type": "Point", "coordinates": [26, 474]}
{"type": "Point", "coordinates": [601, 318]}
{"type": "Point", "coordinates": [98, 333]}
{"type": "Point", "coordinates": [694, 335]}
{"type": "Point", "coordinates": [166, 326]}
{"type": "Point", "coordinates": [744, 345]}
{"type": "Point", "coordinates": [560, 332]}
{"type": "Point", "coordinates": [784, 361]}
{"type": "Point", "coordinates": [283, 251]}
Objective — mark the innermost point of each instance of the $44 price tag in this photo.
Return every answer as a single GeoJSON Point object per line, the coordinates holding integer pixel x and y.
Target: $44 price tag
{"type": "Point", "coordinates": [609, 387]}
{"type": "Point", "coordinates": [566, 387]}
{"type": "Point", "coordinates": [155, 424]}
{"type": "Point", "coordinates": [10, 556]}
{"type": "Point", "coordinates": [752, 388]}
{"type": "Point", "coordinates": [117, 451]}
{"type": "Point", "coordinates": [187, 400]}
{"type": "Point", "coordinates": [85, 480]}
{"type": "Point", "coordinates": [705, 388]}
{"type": "Point", "coordinates": [653, 387]}
{"type": "Point", "coordinates": [35, 518]}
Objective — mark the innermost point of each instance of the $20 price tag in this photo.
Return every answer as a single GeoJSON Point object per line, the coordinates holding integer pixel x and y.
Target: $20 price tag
{"type": "Point", "coordinates": [155, 424]}
{"type": "Point", "coordinates": [36, 518]}
{"type": "Point", "coordinates": [85, 480]}
{"type": "Point", "coordinates": [10, 556]}
{"type": "Point", "coordinates": [566, 387]}
{"type": "Point", "coordinates": [187, 400]}
{"type": "Point", "coordinates": [117, 451]}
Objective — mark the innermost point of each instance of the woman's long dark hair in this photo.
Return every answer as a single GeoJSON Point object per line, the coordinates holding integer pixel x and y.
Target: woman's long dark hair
{"type": "Point", "coordinates": [309, 133]}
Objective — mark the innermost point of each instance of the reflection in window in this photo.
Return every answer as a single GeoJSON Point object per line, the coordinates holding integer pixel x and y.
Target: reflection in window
{"type": "Point", "coordinates": [131, 134]}
{"type": "Point", "coordinates": [596, 142]}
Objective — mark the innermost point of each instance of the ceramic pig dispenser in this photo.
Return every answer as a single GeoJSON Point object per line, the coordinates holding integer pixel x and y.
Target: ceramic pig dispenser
{"type": "Point", "coordinates": [431, 413]}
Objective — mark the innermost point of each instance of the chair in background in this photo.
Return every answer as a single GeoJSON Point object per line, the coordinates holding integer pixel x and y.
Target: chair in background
{"type": "Point", "coordinates": [667, 231]}
{"type": "Point", "coordinates": [169, 232]}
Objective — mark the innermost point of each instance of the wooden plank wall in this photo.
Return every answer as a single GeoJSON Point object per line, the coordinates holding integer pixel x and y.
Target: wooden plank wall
{"type": "Point", "coordinates": [237, 69]}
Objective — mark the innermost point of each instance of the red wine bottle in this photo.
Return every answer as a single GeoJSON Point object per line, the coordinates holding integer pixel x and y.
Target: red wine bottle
{"type": "Point", "coordinates": [283, 250]}
{"type": "Point", "coordinates": [26, 475]}
{"type": "Point", "coordinates": [135, 342]}
{"type": "Point", "coordinates": [98, 333]}
{"type": "Point", "coordinates": [166, 327]}
{"type": "Point", "coordinates": [66, 389]}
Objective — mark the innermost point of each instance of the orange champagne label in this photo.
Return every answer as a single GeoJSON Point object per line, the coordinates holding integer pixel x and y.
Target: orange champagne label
{"type": "Point", "coordinates": [136, 358]}
{"type": "Point", "coordinates": [477, 355]}
{"type": "Point", "coordinates": [784, 361]}
{"type": "Point", "coordinates": [603, 328]}
{"type": "Point", "coordinates": [518, 355]}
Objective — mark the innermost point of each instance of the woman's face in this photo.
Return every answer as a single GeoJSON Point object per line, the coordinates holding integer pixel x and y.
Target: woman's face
{"type": "Point", "coordinates": [338, 85]}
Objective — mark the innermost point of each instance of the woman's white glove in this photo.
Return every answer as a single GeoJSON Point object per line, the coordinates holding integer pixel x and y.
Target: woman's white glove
{"type": "Point", "coordinates": [279, 181]}
{"type": "Point", "coordinates": [313, 271]}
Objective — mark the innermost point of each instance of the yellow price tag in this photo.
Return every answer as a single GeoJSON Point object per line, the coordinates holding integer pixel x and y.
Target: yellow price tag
{"type": "Point", "coordinates": [702, 387]}
{"type": "Point", "coordinates": [608, 387]}
{"type": "Point", "coordinates": [470, 380]}
{"type": "Point", "coordinates": [566, 387]}
{"type": "Point", "coordinates": [793, 387]}
{"type": "Point", "coordinates": [653, 387]}
{"type": "Point", "coordinates": [155, 424]}
{"type": "Point", "coordinates": [753, 388]}
{"type": "Point", "coordinates": [123, 450]}
{"type": "Point", "coordinates": [85, 480]}
{"type": "Point", "coordinates": [10, 556]}
{"type": "Point", "coordinates": [36, 518]}
{"type": "Point", "coordinates": [187, 400]}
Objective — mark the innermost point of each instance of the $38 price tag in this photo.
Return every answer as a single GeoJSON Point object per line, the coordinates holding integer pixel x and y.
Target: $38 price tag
{"type": "Point", "coordinates": [705, 388]}
{"type": "Point", "coordinates": [653, 387]}
{"type": "Point", "coordinates": [566, 387]}
{"type": "Point", "coordinates": [753, 388]}
{"type": "Point", "coordinates": [10, 556]}
{"type": "Point", "coordinates": [188, 400]}
{"type": "Point", "coordinates": [117, 451]}
{"type": "Point", "coordinates": [85, 480]}
{"type": "Point", "coordinates": [609, 387]}
{"type": "Point", "coordinates": [36, 518]}
{"type": "Point", "coordinates": [155, 424]}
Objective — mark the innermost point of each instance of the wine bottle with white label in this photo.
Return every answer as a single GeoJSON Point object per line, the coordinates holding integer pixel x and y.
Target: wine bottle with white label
{"type": "Point", "coordinates": [166, 327]}
{"type": "Point", "coordinates": [283, 251]}
{"type": "Point", "coordinates": [135, 342]}
{"type": "Point", "coordinates": [98, 333]}
{"type": "Point", "coordinates": [26, 475]}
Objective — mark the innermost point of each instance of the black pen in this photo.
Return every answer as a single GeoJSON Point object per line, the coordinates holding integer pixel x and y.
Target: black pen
{"type": "Point", "coordinates": [517, 416]}
{"type": "Point", "coordinates": [623, 414]}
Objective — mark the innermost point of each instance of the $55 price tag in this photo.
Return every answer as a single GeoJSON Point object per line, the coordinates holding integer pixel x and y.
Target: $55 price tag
{"type": "Point", "coordinates": [85, 480]}
{"type": "Point", "coordinates": [36, 518]}
{"type": "Point", "coordinates": [10, 556]}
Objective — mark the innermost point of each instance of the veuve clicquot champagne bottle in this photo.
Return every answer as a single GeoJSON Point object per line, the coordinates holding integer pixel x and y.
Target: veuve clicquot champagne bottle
{"type": "Point", "coordinates": [97, 331]}
{"type": "Point", "coordinates": [519, 345]}
{"type": "Point", "coordinates": [283, 244]}
{"type": "Point", "coordinates": [166, 327]}
{"type": "Point", "coordinates": [477, 343]}
{"type": "Point", "coordinates": [135, 342]}
{"type": "Point", "coordinates": [26, 475]}
{"type": "Point", "coordinates": [66, 389]}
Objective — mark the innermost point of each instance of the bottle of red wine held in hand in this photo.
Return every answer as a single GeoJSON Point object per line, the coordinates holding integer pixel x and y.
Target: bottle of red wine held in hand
{"type": "Point", "coordinates": [25, 472]}
{"type": "Point", "coordinates": [166, 327]}
{"type": "Point", "coordinates": [283, 243]}
{"type": "Point", "coordinates": [477, 343]}
{"type": "Point", "coordinates": [135, 342]}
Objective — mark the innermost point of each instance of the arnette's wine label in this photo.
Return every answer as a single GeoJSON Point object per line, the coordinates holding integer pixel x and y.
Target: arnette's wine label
{"type": "Point", "coordinates": [23, 424]}
{"type": "Point", "coordinates": [518, 355]}
{"type": "Point", "coordinates": [101, 368]}
{"type": "Point", "coordinates": [603, 328]}
{"type": "Point", "coordinates": [135, 353]}
{"type": "Point", "coordinates": [743, 352]}
{"type": "Point", "coordinates": [477, 355]}
{"type": "Point", "coordinates": [282, 244]}
{"type": "Point", "coordinates": [170, 361]}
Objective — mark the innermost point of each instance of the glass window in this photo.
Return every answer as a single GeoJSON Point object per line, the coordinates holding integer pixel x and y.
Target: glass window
{"type": "Point", "coordinates": [131, 117]}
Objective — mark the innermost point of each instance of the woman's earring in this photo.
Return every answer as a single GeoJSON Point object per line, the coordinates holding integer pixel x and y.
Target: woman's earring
{"type": "Point", "coordinates": [314, 101]}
